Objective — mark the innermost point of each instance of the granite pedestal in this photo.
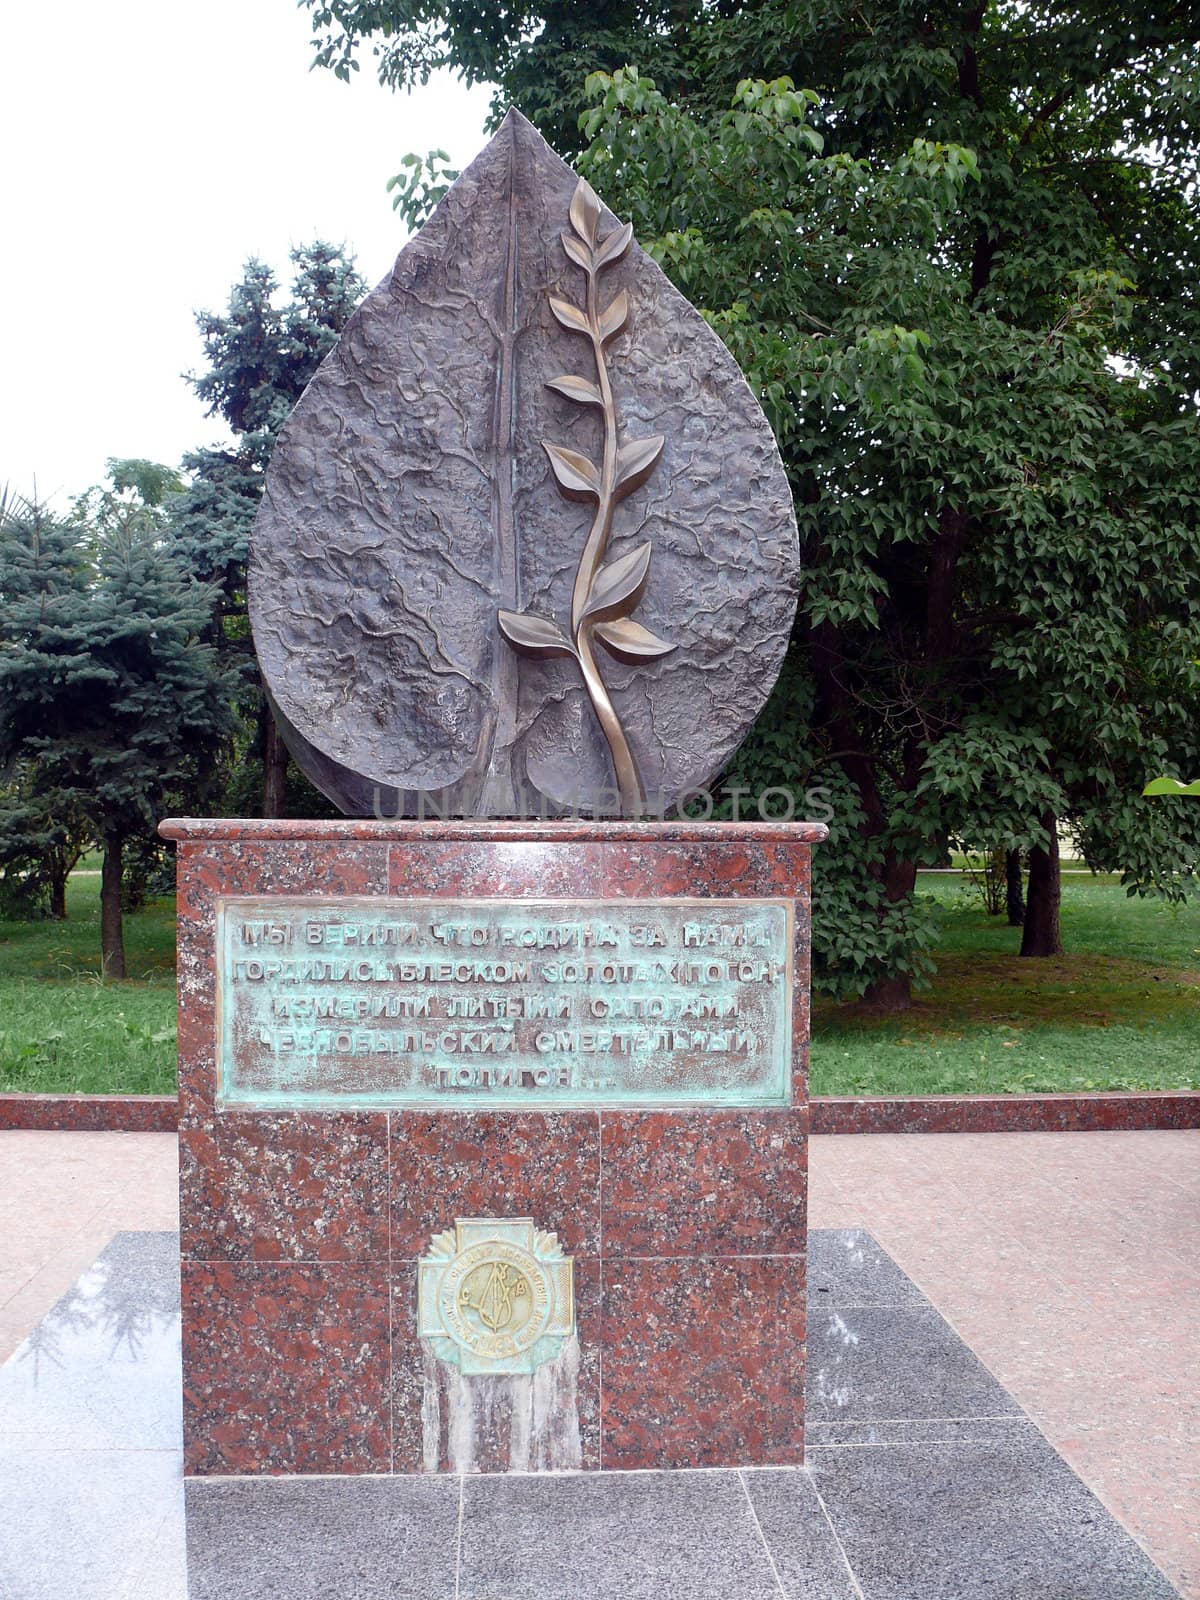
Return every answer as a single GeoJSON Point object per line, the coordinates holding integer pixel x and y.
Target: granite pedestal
{"type": "Point", "coordinates": [302, 1224]}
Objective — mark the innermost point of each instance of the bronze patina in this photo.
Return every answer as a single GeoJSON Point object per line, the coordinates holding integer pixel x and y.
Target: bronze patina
{"type": "Point", "coordinates": [603, 596]}
{"type": "Point", "coordinates": [426, 601]}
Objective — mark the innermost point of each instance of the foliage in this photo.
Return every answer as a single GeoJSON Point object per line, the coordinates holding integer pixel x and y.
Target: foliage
{"type": "Point", "coordinates": [105, 687]}
{"type": "Point", "coordinates": [61, 1028]}
{"type": "Point", "coordinates": [42, 836]}
{"type": "Point", "coordinates": [998, 519]}
{"type": "Point", "coordinates": [261, 354]}
{"type": "Point", "coordinates": [1120, 1012]}
{"type": "Point", "coordinates": [958, 267]}
{"type": "Point", "coordinates": [984, 876]}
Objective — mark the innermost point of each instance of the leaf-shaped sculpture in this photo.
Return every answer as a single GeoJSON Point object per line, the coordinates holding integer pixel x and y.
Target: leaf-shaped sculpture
{"type": "Point", "coordinates": [614, 317]}
{"type": "Point", "coordinates": [618, 584]}
{"type": "Point", "coordinates": [628, 638]}
{"type": "Point", "coordinates": [570, 316]}
{"type": "Point", "coordinates": [573, 388]}
{"type": "Point", "coordinates": [416, 562]}
{"type": "Point", "coordinates": [537, 636]}
{"type": "Point", "coordinates": [635, 462]}
{"type": "Point", "coordinates": [614, 247]}
{"type": "Point", "coordinates": [585, 212]}
{"type": "Point", "coordinates": [579, 252]}
{"type": "Point", "coordinates": [576, 475]}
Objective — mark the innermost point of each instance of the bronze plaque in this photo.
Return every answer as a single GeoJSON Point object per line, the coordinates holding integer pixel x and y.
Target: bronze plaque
{"type": "Point", "coordinates": [468, 1004]}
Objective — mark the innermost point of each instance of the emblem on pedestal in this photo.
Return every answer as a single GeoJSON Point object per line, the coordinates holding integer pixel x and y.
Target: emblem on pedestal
{"type": "Point", "coordinates": [495, 1296]}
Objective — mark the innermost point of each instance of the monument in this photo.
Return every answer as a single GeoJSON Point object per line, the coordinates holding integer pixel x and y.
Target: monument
{"type": "Point", "coordinates": [493, 1095]}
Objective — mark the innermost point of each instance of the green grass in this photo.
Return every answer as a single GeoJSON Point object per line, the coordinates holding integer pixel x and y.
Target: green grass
{"type": "Point", "coordinates": [1121, 1011]}
{"type": "Point", "coordinates": [62, 1028]}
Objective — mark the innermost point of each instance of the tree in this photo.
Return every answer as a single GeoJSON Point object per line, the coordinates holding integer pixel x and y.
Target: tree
{"type": "Point", "coordinates": [261, 356]}
{"type": "Point", "coordinates": [105, 685]}
{"type": "Point", "coordinates": [961, 278]}
{"type": "Point", "coordinates": [43, 833]}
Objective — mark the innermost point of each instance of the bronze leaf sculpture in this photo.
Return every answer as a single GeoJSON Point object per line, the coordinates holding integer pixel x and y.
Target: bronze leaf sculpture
{"type": "Point", "coordinates": [603, 596]}
{"type": "Point", "coordinates": [456, 514]}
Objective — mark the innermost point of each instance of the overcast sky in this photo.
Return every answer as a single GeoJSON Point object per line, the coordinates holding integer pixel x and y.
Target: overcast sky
{"type": "Point", "coordinates": [146, 149]}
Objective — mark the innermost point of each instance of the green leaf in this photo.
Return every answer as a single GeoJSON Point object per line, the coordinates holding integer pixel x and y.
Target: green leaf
{"type": "Point", "coordinates": [1171, 786]}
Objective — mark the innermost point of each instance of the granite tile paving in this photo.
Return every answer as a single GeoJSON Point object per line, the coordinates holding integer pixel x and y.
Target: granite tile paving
{"type": "Point", "coordinates": [101, 1370]}
{"type": "Point", "coordinates": [323, 1538]}
{"type": "Point", "coordinates": [90, 1524]}
{"type": "Point", "coordinates": [62, 1198]}
{"type": "Point", "coordinates": [894, 1361]}
{"type": "Point", "coordinates": [923, 1505]}
{"type": "Point", "coordinates": [1069, 1264]}
{"type": "Point", "coordinates": [847, 1268]}
{"type": "Point", "coordinates": [619, 1536]}
{"type": "Point", "coordinates": [927, 1522]}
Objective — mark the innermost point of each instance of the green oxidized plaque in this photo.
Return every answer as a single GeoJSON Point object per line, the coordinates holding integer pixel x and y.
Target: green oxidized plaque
{"type": "Point", "coordinates": [472, 1003]}
{"type": "Point", "coordinates": [495, 1296]}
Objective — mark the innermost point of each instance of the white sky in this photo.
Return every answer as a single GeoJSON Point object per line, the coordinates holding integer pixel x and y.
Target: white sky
{"type": "Point", "coordinates": [148, 147]}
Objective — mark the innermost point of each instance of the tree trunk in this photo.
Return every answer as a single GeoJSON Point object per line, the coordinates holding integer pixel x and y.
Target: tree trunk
{"type": "Point", "coordinates": [112, 931]}
{"type": "Point", "coordinates": [58, 894]}
{"type": "Point", "coordinates": [1042, 935]}
{"type": "Point", "coordinates": [1014, 889]}
{"type": "Point", "coordinates": [895, 993]}
{"type": "Point", "coordinates": [275, 760]}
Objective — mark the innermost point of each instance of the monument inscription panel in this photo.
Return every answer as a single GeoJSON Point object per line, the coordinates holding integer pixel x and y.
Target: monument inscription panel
{"type": "Point", "coordinates": [372, 1002]}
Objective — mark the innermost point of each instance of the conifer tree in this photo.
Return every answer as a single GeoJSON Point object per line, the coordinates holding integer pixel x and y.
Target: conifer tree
{"type": "Point", "coordinates": [105, 683]}
{"type": "Point", "coordinates": [261, 355]}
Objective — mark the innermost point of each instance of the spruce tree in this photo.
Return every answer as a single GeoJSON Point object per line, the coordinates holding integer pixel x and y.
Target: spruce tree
{"type": "Point", "coordinates": [106, 685]}
{"type": "Point", "coordinates": [261, 356]}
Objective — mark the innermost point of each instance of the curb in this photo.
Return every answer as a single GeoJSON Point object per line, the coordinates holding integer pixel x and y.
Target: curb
{"type": "Point", "coordinates": [1044, 1113]}
{"type": "Point", "coordinates": [1033, 1113]}
{"type": "Point", "coordinates": [90, 1113]}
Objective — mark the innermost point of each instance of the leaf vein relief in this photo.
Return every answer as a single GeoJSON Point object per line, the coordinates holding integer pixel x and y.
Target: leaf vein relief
{"type": "Point", "coordinates": [604, 595]}
{"type": "Point", "coordinates": [462, 450]}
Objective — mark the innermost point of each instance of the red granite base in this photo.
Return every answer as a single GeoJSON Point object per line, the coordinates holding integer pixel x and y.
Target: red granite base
{"type": "Point", "coordinates": [300, 1231]}
{"type": "Point", "coordinates": [90, 1113]}
{"type": "Point", "coordinates": [1017, 1113]}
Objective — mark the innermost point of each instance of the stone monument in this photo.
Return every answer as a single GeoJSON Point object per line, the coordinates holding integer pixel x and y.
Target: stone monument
{"type": "Point", "coordinates": [493, 1096]}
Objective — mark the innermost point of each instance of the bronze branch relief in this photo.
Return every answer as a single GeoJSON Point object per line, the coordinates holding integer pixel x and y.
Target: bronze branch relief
{"type": "Point", "coordinates": [604, 594]}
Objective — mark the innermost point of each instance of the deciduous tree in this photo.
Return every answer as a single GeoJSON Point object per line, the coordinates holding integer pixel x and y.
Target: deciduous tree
{"type": "Point", "coordinates": [961, 276]}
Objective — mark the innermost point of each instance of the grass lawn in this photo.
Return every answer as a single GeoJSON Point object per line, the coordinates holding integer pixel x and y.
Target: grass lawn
{"type": "Point", "coordinates": [61, 1027]}
{"type": "Point", "coordinates": [1121, 1011]}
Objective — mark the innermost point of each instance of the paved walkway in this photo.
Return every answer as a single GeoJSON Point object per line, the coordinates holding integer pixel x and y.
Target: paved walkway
{"type": "Point", "coordinates": [1069, 1262]}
